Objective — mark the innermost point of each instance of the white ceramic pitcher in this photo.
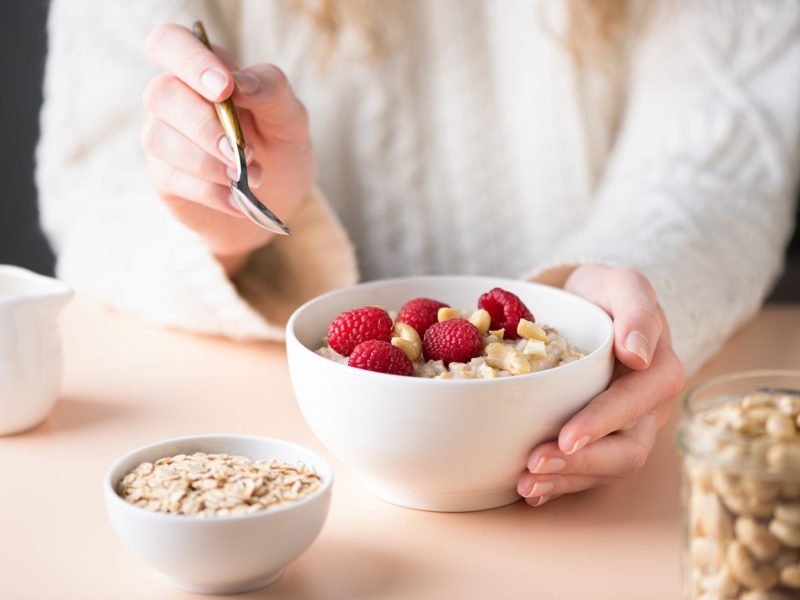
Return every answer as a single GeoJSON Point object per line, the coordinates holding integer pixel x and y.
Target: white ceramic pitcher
{"type": "Point", "coordinates": [30, 347]}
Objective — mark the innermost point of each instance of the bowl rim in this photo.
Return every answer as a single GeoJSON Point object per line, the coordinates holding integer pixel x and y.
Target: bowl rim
{"type": "Point", "coordinates": [602, 314]}
{"type": "Point", "coordinates": [112, 496]}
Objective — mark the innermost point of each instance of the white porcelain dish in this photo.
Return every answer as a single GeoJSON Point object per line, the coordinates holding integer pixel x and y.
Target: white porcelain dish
{"type": "Point", "coordinates": [30, 347]}
{"type": "Point", "coordinates": [220, 555]}
{"type": "Point", "coordinates": [444, 445]}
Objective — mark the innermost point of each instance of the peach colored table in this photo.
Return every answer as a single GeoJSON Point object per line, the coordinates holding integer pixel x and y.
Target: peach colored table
{"type": "Point", "coordinates": [128, 384]}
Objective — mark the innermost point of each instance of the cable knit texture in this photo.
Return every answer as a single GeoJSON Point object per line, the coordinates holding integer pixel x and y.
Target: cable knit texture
{"type": "Point", "coordinates": [472, 145]}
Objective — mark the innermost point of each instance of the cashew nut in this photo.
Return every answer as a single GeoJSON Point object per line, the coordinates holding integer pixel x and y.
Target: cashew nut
{"type": "Point", "coordinates": [782, 457]}
{"type": "Point", "coordinates": [759, 595]}
{"type": "Point", "coordinates": [498, 333]}
{"type": "Point", "coordinates": [786, 533]}
{"type": "Point", "coordinates": [535, 348]}
{"type": "Point", "coordinates": [507, 358]}
{"type": "Point", "coordinates": [790, 576]}
{"type": "Point", "coordinates": [731, 453]}
{"type": "Point", "coordinates": [720, 584]}
{"type": "Point", "coordinates": [481, 319]}
{"type": "Point", "coordinates": [756, 538]}
{"type": "Point", "coordinates": [531, 331]}
{"type": "Point", "coordinates": [756, 399]}
{"type": "Point", "coordinates": [788, 513]}
{"type": "Point", "coordinates": [747, 572]}
{"type": "Point", "coordinates": [709, 518]}
{"type": "Point", "coordinates": [446, 313]}
{"type": "Point", "coordinates": [732, 496]}
{"type": "Point", "coordinates": [789, 405]}
{"type": "Point", "coordinates": [705, 553]}
{"type": "Point", "coordinates": [407, 339]}
{"type": "Point", "coordinates": [760, 489]}
{"type": "Point", "coordinates": [780, 426]}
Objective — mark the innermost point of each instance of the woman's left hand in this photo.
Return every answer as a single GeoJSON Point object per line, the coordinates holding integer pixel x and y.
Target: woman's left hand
{"type": "Point", "coordinates": [613, 435]}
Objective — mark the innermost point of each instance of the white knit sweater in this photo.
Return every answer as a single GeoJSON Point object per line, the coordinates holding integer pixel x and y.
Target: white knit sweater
{"type": "Point", "coordinates": [470, 146]}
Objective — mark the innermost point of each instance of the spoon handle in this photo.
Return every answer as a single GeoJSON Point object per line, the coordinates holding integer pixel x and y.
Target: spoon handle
{"type": "Point", "coordinates": [226, 111]}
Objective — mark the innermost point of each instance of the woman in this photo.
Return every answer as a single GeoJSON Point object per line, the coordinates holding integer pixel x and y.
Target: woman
{"type": "Point", "coordinates": [641, 154]}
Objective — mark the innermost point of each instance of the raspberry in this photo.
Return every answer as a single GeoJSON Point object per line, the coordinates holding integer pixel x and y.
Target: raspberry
{"type": "Point", "coordinates": [420, 313]}
{"type": "Point", "coordinates": [380, 356]}
{"type": "Point", "coordinates": [351, 328]}
{"type": "Point", "coordinates": [456, 340]}
{"type": "Point", "coordinates": [506, 309]}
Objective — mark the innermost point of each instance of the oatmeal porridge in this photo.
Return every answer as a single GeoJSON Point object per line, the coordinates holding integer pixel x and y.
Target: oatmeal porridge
{"type": "Point", "coordinates": [430, 339]}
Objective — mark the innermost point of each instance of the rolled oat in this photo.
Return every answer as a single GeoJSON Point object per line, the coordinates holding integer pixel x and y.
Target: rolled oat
{"type": "Point", "coordinates": [207, 485]}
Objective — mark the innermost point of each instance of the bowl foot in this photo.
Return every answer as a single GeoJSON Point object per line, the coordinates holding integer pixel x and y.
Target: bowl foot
{"type": "Point", "coordinates": [225, 588]}
{"type": "Point", "coordinates": [442, 502]}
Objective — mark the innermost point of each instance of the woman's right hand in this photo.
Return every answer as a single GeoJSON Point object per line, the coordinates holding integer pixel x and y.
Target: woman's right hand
{"type": "Point", "coordinates": [189, 158]}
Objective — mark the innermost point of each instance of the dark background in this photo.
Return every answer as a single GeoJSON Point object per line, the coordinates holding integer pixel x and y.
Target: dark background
{"type": "Point", "coordinates": [22, 47]}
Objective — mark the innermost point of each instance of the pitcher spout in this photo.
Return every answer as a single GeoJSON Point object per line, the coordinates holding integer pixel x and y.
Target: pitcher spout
{"type": "Point", "coordinates": [20, 285]}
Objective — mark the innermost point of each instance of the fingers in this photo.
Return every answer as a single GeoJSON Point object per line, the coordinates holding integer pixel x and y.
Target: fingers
{"type": "Point", "coordinates": [264, 90]}
{"type": "Point", "coordinates": [170, 182]}
{"type": "Point", "coordinates": [556, 485]}
{"type": "Point", "coordinates": [175, 49]}
{"type": "Point", "coordinates": [629, 398]}
{"type": "Point", "coordinates": [630, 300]}
{"type": "Point", "coordinates": [620, 454]}
{"type": "Point", "coordinates": [172, 147]}
{"type": "Point", "coordinates": [172, 102]}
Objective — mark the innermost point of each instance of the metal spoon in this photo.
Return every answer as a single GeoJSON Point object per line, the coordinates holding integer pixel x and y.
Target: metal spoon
{"type": "Point", "coordinates": [251, 206]}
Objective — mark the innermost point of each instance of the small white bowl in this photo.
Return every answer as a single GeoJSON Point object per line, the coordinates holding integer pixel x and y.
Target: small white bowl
{"type": "Point", "coordinates": [220, 555]}
{"type": "Point", "coordinates": [444, 445]}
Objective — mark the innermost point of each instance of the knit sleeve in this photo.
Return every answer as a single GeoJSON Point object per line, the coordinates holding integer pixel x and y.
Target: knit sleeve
{"type": "Point", "coordinates": [698, 193]}
{"type": "Point", "coordinates": [113, 237]}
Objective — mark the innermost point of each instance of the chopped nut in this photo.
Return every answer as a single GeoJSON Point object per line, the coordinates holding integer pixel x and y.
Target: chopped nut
{"type": "Point", "coordinates": [507, 358]}
{"type": "Point", "coordinates": [481, 319]}
{"type": "Point", "coordinates": [498, 333]}
{"type": "Point", "coordinates": [407, 339]}
{"type": "Point", "coordinates": [446, 313]}
{"type": "Point", "coordinates": [531, 331]}
{"type": "Point", "coordinates": [535, 348]}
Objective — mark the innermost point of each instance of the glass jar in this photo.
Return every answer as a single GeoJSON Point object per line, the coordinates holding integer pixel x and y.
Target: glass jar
{"type": "Point", "coordinates": [740, 440]}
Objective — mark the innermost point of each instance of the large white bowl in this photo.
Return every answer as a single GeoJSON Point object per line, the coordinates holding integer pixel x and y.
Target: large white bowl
{"type": "Point", "coordinates": [444, 445]}
{"type": "Point", "coordinates": [220, 555]}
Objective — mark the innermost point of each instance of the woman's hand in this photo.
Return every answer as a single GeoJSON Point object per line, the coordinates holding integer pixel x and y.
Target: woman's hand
{"type": "Point", "coordinates": [189, 158]}
{"type": "Point", "coordinates": [613, 435]}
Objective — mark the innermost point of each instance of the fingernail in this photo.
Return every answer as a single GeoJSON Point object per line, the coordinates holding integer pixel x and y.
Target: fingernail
{"type": "Point", "coordinates": [579, 444]}
{"type": "Point", "coordinates": [255, 174]}
{"type": "Point", "coordinates": [549, 464]}
{"type": "Point", "coordinates": [225, 147]}
{"type": "Point", "coordinates": [245, 82]}
{"type": "Point", "coordinates": [540, 488]}
{"type": "Point", "coordinates": [214, 81]}
{"type": "Point", "coordinates": [638, 344]}
{"type": "Point", "coordinates": [541, 500]}
{"type": "Point", "coordinates": [232, 174]}
{"type": "Point", "coordinates": [248, 153]}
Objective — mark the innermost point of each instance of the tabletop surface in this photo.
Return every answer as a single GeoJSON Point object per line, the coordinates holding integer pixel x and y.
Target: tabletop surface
{"type": "Point", "coordinates": [127, 384]}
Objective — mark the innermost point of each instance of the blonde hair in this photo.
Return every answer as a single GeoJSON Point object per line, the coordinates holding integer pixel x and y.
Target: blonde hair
{"type": "Point", "coordinates": [594, 35]}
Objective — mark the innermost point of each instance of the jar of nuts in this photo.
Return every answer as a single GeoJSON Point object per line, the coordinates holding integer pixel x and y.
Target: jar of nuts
{"type": "Point", "coordinates": [741, 492]}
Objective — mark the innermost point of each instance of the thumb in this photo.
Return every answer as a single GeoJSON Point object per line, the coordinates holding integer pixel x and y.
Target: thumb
{"type": "Point", "coordinates": [265, 91]}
